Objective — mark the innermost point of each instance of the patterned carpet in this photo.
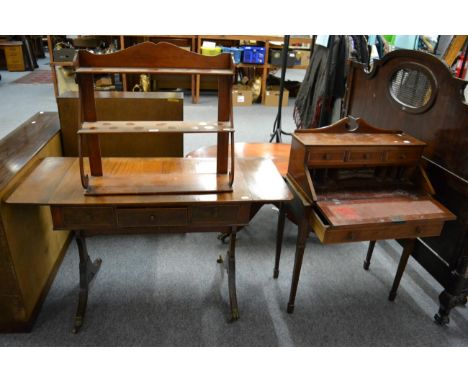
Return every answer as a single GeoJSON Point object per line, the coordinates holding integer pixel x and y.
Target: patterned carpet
{"type": "Point", "coordinates": [36, 77]}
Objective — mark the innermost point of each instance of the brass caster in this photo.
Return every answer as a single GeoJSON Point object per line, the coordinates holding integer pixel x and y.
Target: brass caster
{"type": "Point", "coordinates": [234, 315]}
{"type": "Point", "coordinates": [220, 260]}
{"type": "Point", "coordinates": [78, 325]}
{"type": "Point", "coordinates": [275, 273]}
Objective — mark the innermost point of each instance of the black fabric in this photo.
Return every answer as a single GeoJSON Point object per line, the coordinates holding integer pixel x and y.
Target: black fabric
{"type": "Point", "coordinates": [312, 86]}
{"type": "Point", "coordinates": [325, 80]}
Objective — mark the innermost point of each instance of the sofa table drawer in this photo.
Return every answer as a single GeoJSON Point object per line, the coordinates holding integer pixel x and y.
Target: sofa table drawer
{"type": "Point", "coordinates": [212, 215]}
{"type": "Point", "coordinates": [151, 217]}
{"type": "Point", "coordinates": [82, 217]}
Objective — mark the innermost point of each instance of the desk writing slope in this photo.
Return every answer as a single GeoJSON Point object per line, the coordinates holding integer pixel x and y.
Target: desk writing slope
{"type": "Point", "coordinates": [149, 177]}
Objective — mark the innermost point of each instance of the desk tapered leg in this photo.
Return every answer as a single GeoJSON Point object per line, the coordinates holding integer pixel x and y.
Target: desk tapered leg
{"type": "Point", "coordinates": [303, 231]}
{"type": "Point", "coordinates": [407, 249]}
{"type": "Point", "coordinates": [232, 275]}
{"type": "Point", "coordinates": [88, 270]}
{"type": "Point", "coordinates": [279, 238]}
{"type": "Point", "coordinates": [370, 251]}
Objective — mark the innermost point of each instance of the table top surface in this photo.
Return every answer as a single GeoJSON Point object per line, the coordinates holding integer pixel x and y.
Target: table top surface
{"type": "Point", "coordinates": [277, 152]}
{"type": "Point", "coordinates": [56, 181]}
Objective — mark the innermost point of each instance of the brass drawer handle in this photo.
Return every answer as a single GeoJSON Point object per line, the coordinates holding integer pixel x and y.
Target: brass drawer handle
{"type": "Point", "coordinates": [326, 156]}
{"type": "Point", "coordinates": [418, 229]}
{"type": "Point", "coordinates": [366, 156]}
{"type": "Point", "coordinates": [152, 218]}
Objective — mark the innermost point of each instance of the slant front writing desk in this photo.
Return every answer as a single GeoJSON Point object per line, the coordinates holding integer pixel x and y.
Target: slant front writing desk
{"type": "Point", "coordinates": [56, 182]}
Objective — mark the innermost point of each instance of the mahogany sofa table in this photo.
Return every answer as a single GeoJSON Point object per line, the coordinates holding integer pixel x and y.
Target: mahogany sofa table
{"type": "Point", "coordinates": [55, 182]}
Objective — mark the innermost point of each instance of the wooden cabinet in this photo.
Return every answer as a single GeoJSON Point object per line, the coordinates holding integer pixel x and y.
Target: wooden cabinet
{"type": "Point", "coordinates": [30, 252]}
{"type": "Point", "coordinates": [13, 51]}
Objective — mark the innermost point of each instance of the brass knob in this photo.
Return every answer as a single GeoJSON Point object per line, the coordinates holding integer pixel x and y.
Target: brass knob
{"type": "Point", "coordinates": [418, 229]}
{"type": "Point", "coordinates": [152, 218]}
{"type": "Point", "coordinates": [403, 156]}
{"type": "Point", "coordinates": [326, 156]}
{"type": "Point", "coordinates": [366, 156]}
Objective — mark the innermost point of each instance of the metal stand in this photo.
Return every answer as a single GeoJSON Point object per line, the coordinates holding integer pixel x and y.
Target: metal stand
{"type": "Point", "coordinates": [277, 131]}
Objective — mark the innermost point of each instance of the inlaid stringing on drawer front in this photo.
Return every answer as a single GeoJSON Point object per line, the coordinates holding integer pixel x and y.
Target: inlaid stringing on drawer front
{"type": "Point", "coordinates": [151, 217]}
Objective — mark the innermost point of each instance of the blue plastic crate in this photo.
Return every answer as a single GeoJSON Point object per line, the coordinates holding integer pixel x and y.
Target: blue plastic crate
{"type": "Point", "coordinates": [235, 52]}
{"type": "Point", "coordinates": [253, 55]}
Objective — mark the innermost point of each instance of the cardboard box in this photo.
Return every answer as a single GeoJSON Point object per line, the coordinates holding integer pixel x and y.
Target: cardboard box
{"type": "Point", "coordinates": [241, 95]}
{"type": "Point", "coordinates": [272, 96]}
{"type": "Point", "coordinates": [302, 57]}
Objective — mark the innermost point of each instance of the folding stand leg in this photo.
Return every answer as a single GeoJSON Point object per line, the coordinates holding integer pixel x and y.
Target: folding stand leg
{"type": "Point", "coordinates": [88, 270]}
{"type": "Point", "coordinates": [407, 249]}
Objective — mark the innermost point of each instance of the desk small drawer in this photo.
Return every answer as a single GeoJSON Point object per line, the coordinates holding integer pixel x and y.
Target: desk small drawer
{"type": "Point", "coordinates": [363, 156]}
{"type": "Point", "coordinates": [82, 217]}
{"type": "Point", "coordinates": [403, 156]}
{"type": "Point", "coordinates": [323, 157]}
{"type": "Point", "coordinates": [215, 214]}
{"type": "Point", "coordinates": [151, 217]}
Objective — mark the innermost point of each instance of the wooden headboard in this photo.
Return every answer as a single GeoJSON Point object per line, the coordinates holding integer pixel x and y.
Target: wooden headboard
{"type": "Point", "coordinates": [417, 93]}
{"type": "Point", "coordinates": [442, 122]}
